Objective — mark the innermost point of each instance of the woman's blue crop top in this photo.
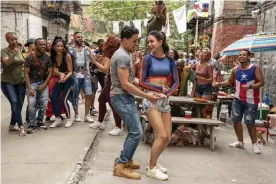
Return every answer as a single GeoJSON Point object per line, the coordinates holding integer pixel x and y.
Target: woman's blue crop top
{"type": "Point", "coordinates": [156, 67]}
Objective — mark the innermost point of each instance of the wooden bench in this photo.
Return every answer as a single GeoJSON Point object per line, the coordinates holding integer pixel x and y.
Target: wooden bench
{"type": "Point", "coordinates": [181, 120]}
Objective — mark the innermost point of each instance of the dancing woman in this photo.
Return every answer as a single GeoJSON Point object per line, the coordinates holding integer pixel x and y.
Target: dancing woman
{"type": "Point", "coordinates": [110, 46]}
{"type": "Point", "coordinates": [12, 81]}
{"type": "Point", "coordinates": [154, 73]}
{"type": "Point", "coordinates": [63, 70]}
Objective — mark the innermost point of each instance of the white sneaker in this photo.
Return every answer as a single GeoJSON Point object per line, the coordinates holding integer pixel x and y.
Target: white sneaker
{"type": "Point", "coordinates": [93, 112]}
{"type": "Point", "coordinates": [162, 169]}
{"type": "Point", "coordinates": [97, 125]}
{"type": "Point", "coordinates": [57, 123]}
{"type": "Point", "coordinates": [88, 119]}
{"type": "Point", "coordinates": [156, 173]}
{"type": "Point", "coordinates": [116, 132]}
{"type": "Point", "coordinates": [256, 148]}
{"type": "Point", "coordinates": [77, 118]}
{"type": "Point", "coordinates": [68, 123]}
{"type": "Point", "coordinates": [237, 144]}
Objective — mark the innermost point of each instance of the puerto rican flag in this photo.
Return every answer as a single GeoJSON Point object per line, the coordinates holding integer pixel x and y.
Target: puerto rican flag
{"type": "Point", "coordinates": [246, 77]}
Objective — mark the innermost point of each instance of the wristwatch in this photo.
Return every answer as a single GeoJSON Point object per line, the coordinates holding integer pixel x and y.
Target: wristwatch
{"type": "Point", "coordinates": [250, 86]}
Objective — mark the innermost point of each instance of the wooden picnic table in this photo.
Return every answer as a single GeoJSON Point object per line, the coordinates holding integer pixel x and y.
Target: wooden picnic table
{"type": "Point", "coordinates": [200, 122]}
{"type": "Point", "coordinates": [181, 120]}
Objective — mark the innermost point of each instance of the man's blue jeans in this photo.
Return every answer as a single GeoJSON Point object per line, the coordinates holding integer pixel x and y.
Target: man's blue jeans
{"type": "Point", "coordinates": [37, 102]}
{"type": "Point", "coordinates": [125, 106]}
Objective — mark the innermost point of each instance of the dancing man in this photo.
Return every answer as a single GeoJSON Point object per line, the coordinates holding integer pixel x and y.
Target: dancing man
{"type": "Point", "coordinates": [122, 100]}
{"type": "Point", "coordinates": [247, 79]}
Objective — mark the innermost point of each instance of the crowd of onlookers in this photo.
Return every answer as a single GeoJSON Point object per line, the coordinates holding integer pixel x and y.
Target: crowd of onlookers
{"type": "Point", "coordinates": [54, 73]}
{"type": "Point", "coordinates": [50, 73]}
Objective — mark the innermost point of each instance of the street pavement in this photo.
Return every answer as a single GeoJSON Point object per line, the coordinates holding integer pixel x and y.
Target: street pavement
{"type": "Point", "coordinates": [50, 157]}
{"type": "Point", "coordinates": [45, 157]}
{"type": "Point", "coordinates": [189, 165]}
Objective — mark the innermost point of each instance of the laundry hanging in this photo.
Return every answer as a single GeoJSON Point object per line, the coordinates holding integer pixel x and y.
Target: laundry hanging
{"type": "Point", "coordinates": [102, 27]}
{"type": "Point", "coordinates": [116, 29]}
{"type": "Point", "coordinates": [88, 25]}
{"type": "Point", "coordinates": [137, 24]}
{"type": "Point", "coordinates": [127, 23]}
{"type": "Point", "coordinates": [75, 21]}
{"type": "Point", "coordinates": [180, 19]}
{"type": "Point", "coordinates": [146, 22]}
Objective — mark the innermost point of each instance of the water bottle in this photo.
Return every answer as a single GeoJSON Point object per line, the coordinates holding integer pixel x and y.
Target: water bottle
{"type": "Point", "coordinates": [266, 99]}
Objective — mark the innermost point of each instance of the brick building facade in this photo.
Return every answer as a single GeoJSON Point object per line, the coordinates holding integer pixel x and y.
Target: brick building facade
{"type": "Point", "coordinates": [232, 20]}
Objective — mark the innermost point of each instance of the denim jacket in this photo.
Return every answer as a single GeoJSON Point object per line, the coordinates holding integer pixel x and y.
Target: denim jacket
{"type": "Point", "coordinates": [87, 52]}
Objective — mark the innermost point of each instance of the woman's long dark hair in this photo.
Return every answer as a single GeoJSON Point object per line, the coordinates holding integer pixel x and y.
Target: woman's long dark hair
{"type": "Point", "coordinates": [54, 53]}
{"type": "Point", "coordinates": [161, 36]}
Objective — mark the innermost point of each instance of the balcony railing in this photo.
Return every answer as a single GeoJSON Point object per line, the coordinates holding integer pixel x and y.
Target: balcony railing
{"type": "Point", "coordinates": [61, 7]}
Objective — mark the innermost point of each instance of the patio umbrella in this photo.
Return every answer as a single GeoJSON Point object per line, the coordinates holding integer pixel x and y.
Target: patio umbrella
{"type": "Point", "coordinates": [261, 42]}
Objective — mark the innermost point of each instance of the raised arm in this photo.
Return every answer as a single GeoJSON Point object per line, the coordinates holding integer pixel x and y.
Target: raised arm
{"type": "Point", "coordinates": [103, 67]}
{"type": "Point", "coordinates": [175, 79]}
{"type": "Point", "coordinates": [228, 82]}
{"type": "Point", "coordinates": [145, 64]}
{"type": "Point", "coordinates": [6, 60]}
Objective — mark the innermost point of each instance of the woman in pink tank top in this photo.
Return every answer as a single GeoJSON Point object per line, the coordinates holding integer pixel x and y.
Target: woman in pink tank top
{"type": "Point", "coordinates": [204, 78]}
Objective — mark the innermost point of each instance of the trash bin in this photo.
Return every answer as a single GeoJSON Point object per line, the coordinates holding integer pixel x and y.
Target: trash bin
{"type": "Point", "coordinates": [265, 110]}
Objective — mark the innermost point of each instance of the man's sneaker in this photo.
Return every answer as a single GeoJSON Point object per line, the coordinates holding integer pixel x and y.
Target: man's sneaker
{"type": "Point", "coordinates": [256, 148]}
{"type": "Point", "coordinates": [57, 123]}
{"type": "Point", "coordinates": [237, 144]}
{"type": "Point", "coordinates": [97, 125]}
{"type": "Point", "coordinates": [41, 125]}
{"type": "Point", "coordinates": [93, 112]}
{"type": "Point", "coordinates": [31, 129]}
{"type": "Point", "coordinates": [156, 173]}
{"type": "Point", "coordinates": [88, 119]}
{"type": "Point", "coordinates": [162, 169]}
{"type": "Point", "coordinates": [116, 132]}
{"type": "Point", "coordinates": [68, 123]}
{"type": "Point", "coordinates": [77, 118]}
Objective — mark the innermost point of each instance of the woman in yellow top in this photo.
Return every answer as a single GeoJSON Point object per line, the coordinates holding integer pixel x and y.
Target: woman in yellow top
{"type": "Point", "coordinates": [12, 81]}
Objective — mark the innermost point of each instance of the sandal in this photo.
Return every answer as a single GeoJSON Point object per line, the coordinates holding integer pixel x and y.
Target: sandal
{"type": "Point", "coordinates": [22, 132]}
{"type": "Point", "coordinates": [13, 128]}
